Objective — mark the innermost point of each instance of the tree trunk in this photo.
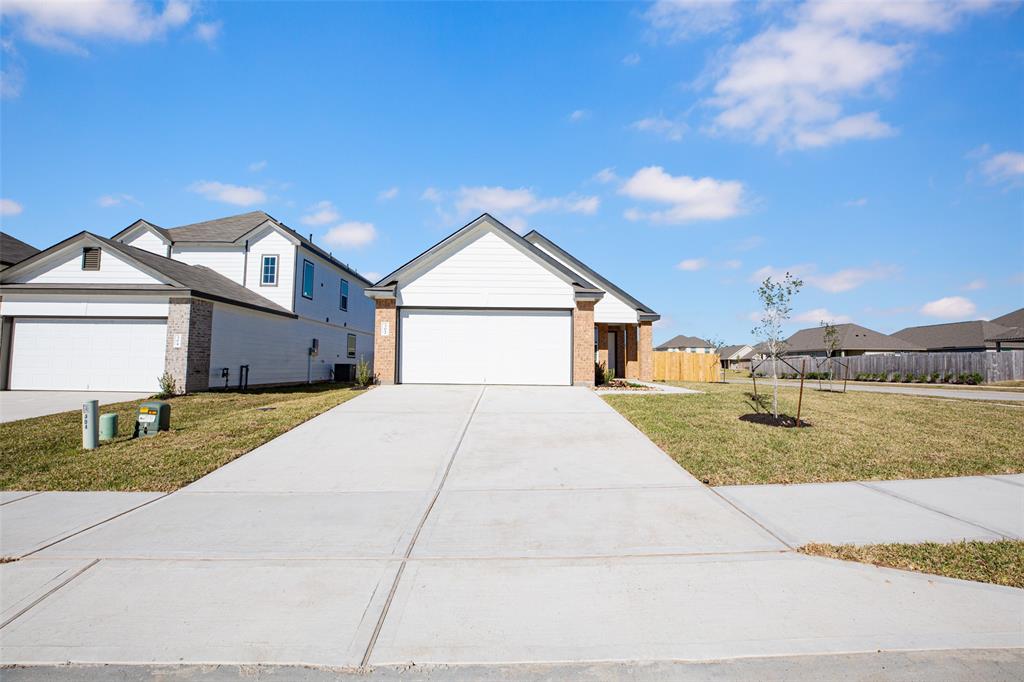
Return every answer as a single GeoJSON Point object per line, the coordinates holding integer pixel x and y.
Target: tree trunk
{"type": "Point", "coordinates": [775, 391]}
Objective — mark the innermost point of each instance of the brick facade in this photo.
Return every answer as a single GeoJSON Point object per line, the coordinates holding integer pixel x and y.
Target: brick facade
{"type": "Point", "coordinates": [646, 351]}
{"type": "Point", "coordinates": [602, 344]}
{"type": "Point", "coordinates": [189, 363]}
{"type": "Point", "coordinates": [384, 347]}
{"type": "Point", "coordinates": [583, 344]}
{"type": "Point", "coordinates": [632, 352]}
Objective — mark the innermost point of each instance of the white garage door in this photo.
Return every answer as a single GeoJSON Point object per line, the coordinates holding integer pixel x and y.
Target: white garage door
{"type": "Point", "coordinates": [485, 347]}
{"type": "Point", "coordinates": [87, 354]}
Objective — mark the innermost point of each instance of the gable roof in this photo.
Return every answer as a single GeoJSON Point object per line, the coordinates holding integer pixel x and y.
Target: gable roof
{"type": "Point", "coordinates": [683, 341]}
{"type": "Point", "coordinates": [951, 335]}
{"type": "Point", "coordinates": [1010, 334]}
{"type": "Point", "coordinates": [232, 229]}
{"type": "Point", "coordinates": [1013, 319]}
{"type": "Point", "coordinates": [647, 313]}
{"type": "Point", "coordinates": [851, 337]}
{"type": "Point", "coordinates": [727, 352]}
{"type": "Point", "coordinates": [13, 250]}
{"type": "Point", "coordinates": [388, 283]}
{"type": "Point", "coordinates": [197, 279]}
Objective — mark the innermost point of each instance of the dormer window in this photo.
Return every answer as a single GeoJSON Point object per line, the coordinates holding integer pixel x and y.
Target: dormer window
{"type": "Point", "coordinates": [91, 258]}
{"type": "Point", "coordinates": [268, 276]}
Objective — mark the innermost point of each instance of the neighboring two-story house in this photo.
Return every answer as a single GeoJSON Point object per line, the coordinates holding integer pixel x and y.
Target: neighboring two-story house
{"type": "Point", "coordinates": [242, 299]}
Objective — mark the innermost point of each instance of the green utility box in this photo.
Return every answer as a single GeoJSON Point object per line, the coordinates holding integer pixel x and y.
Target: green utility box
{"type": "Point", "coordinates": [154, 416]}
{"type": "Point", "coordinates": [108, 426]}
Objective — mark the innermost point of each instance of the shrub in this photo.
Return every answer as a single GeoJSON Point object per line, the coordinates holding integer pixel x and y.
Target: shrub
{"type": "Point", "coordinates": [168, 386]}
{"type": "Point", "coordinates": [609, 375]}
{"type": "Point", "coordinates": [363, 375]}
{"type": "Point", "coordinates": [935, 378]}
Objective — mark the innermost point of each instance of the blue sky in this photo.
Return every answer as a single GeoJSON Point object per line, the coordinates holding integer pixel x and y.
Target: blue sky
{"type": "Point", "coordinates": [684, 150]}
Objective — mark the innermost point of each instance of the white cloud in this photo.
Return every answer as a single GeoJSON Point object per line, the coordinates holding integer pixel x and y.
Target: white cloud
{"type": "Point", "coordinates": [659, 125]}
{"type": "Point", "coordinates": [61, 25]}
{"type": "Point", "coordinates": [631, 59]}
{"type": "Point", "coordinates": [790, 84]}
{"type": "Point", "coordinates": [606, 176]}
{"type": "Point", "coordinates": [833, 283]}
{"type": "Point", "coordinates": [320, 213]}
{"type": "Point", "coordinates": [857, 203]}
{"type": "Point", "coordinates": [209, 31]}
{"type": "Point", "coordinates": [372, 275]}
{"type": "Point", "coordinates": [431, 194]}
{"type": "Point", "coordinates": [692, 264]}
{"type": "Point", "coordinates": [950, 307]}
{"type": "Point", "coordinates": [817, 315]}
{"type": "Point", "coordinates": [108, 200]}
{"type": "Point", "coordinates": [257, 166]}
{"type": "Point", "coordinates": [387, 194]}
{"type": "Point", "coordinates": [10, 207]}
{"type": "Point", "coordinates": [522, 200]}
{"type": "Point", "coordinates": [351, 234]}
{"type": "Point", "coordinates": [229, 194]}
{"type": "Point", "coordinates": [1004, 167]}
{"type": "Point", "coordinates": [688, 198]}
{"type": "Point", "coordinates": [579, 115]}
{"type": "Point", "coordinates": [975, 285]}
{"type": "Point", "coordinates": [12, 74]}
{"type": "Point", "coordinates": [732, 264]}
{"type": "Point", "coordinates": [682, 19]}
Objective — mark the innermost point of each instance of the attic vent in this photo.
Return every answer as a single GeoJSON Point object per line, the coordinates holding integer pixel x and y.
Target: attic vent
{"type": "Point", "coordinates": [91, 258]}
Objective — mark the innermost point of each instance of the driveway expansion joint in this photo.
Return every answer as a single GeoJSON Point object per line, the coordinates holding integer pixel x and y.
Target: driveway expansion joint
{"type": "Point", "coordinates": [902, 498]}
{"type": "Point", "coordinates": [48, 593]}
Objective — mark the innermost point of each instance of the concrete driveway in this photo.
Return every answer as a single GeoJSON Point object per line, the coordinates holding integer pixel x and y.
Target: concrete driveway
{"type": "Point", "coordinates": [15, 405]}
{"type": "Point", "coordinates": [465, 525]}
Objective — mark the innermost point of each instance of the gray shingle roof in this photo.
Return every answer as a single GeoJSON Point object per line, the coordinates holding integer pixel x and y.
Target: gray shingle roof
{"type": "Point", "coordinates": [726, 351]}
{"type": "Point", "coordinates": [1014, 319]}
{"type": "Point", "coordinates": [1011, 334]}
{"type": "Point", "coordinates": [952, 335]}
{"type": "Point", "coordinates": [683, 341]}
{"type": "Point", "coordinates": [852, 337]}
{"type": "Point", "coordinates": [13, 250]}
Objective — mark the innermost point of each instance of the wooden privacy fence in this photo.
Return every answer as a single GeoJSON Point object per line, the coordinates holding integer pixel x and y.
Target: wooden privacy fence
{"type": "Point", "coordinates": [686, 367]}
{"type": "Point", "coordinates": [1007, 365]}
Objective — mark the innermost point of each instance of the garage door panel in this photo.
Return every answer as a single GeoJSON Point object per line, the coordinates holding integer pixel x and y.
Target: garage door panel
{"type": "Point", "coordinates": [88, 354]}
{"type": "Point", "coordinates": [485, 346]}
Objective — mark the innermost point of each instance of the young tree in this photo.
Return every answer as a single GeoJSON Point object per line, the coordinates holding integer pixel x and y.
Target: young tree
{"type": "Point", "coordinates": [776, 306]}
{"type": "Point", "coordinates": [831, 336]}
{"type": "Point", "coordinates": [719, 344]}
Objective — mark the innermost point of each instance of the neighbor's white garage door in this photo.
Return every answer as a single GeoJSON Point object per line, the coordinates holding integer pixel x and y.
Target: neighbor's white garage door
{"type": "Point", "coordinates": [87, 354]}
{"type": "Point", "coordinates": [485, 347]}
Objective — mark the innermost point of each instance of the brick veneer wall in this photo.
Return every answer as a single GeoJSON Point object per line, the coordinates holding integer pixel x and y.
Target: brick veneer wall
{"type": "Point", "coordinates": [602, 343]}
{"type": "Point", "coordinates": [189, 364]}
{"type": "Point", "coordinates": [384, 348]}
{"type": "Point", "coordinates": [583, 344]}
{"type": "Point", "coordinates": [632, 354]}
{"type": "Point", "coordinates": [646, 351]}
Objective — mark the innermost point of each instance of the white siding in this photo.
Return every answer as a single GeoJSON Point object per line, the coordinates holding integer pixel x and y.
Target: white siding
{"type": "Point", "coordinates": [147, 240]}
{"type": "Point", "coordinates": [272, 242]}
{"type": "Point", "coordinates": [66, 268]}
{"type": "Point", "coordinates": [227, 260]}
{"type": "Point", "coordinates": [275, 347]}
{"type": "Point", "coordinates": [488, 272]}
{"type": "Point", "coordinates": [55, 305]}
{"type": "Point", "coordinates": [610, 308]}
{"type": "Point", "coordinates": [326, 303]}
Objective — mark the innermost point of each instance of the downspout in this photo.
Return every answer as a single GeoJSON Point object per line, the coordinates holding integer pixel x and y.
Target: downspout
{"type": "Point", "coordinates": [245, 263]}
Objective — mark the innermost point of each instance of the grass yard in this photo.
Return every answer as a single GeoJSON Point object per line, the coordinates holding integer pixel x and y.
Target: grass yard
{"type": "Point", "coordinates": [1001, 563]}
{"type": "Point", "coordinates": [208, 430]}
{"type": "Point", "coordinates": [853, 436]}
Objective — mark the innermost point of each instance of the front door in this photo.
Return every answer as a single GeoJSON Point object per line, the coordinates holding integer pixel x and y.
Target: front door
{"type": "Point", "coordinates": [613, 355]}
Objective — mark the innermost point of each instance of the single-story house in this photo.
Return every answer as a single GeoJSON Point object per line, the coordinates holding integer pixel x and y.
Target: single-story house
{"type": "Point", "coordinates": [686, 344]}
{"type": "Point", "coordinates": [853, 340]}
{"type": "Point", "coordinates": [237, 300]}
{"type": "Point", "coordinates": [1011, 339]}
{"type": "Point", "coordinates": [1011, 319]}
{"type": "Point", "coordinates": [732, 356]}
{"type": "Point", "coordinates": [958, 337]}
{"type": "Point", "coordinates": [13, 250]}
{"type": "Point", "coordinates": [488, 306]}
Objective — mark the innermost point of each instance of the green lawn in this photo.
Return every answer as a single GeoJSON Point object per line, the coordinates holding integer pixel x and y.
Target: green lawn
{"type": "Point", "coordinates": [852, 436]}
{"type": "Point", "coordinates": [207, 431]}
{"type": "Point", "coordinates": [999, 562]}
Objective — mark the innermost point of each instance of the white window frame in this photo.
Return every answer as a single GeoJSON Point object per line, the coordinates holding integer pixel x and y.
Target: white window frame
{"type": "Point", "coordinates": [263, 269]}
{"type": "Point", "coordinates": [343, 295]}
{"type": "Point", "coordinates": [351, 345]}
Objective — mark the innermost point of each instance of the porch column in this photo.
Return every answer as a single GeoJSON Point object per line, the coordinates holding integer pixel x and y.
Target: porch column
{"type": "Point", "coordinates": [632, 355]}
{"type": "Point", "coordinates": [620, 351]}
{"type": "Point", "coordinates": [189, 332]}
{"type": "Point", "coordinates": [583, 343]}
{"type": "Point", "coordinates": [384, 335]}
{"type": "Point", "coordinates": [646, 351]}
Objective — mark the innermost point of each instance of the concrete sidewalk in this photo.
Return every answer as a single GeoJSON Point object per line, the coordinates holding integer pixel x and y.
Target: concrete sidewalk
{"type": "Point", "coordinates": [465, 525]}
{"type": "Point", "coordinates": [867, 512]}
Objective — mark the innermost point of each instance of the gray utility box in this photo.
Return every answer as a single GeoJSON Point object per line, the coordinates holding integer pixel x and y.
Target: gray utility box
{"type": "Point", "coordinates": [154, 416]}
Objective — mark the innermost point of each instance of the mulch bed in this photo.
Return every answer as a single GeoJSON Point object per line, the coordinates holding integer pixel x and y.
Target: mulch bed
{"type": "Point", "coordinates": [784, 421]}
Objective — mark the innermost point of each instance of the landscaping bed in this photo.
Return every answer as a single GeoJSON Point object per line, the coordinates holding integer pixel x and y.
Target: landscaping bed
{"type": "Point", "coordinates": [207, 431]}
{"type": "Point", "coordinates": [1001, 562]}
{"type": "Point", "coordinates": [855, 435]}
